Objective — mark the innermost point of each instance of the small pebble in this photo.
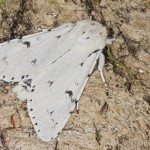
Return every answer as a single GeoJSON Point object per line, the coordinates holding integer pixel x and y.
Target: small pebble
{"type": "Point", "coordinates": [141, 71]}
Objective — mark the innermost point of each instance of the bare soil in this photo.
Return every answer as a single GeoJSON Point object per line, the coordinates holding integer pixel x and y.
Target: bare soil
{"type": "Point", "coordinates": [120, 121]}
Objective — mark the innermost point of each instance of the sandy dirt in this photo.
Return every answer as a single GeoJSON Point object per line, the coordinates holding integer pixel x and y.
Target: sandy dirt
{"type": "Point", "coordinates": [120, 121]}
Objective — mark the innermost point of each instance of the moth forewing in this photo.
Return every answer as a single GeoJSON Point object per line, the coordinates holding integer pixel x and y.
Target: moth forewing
{"type": "Point", "coordinates": [52, 69]}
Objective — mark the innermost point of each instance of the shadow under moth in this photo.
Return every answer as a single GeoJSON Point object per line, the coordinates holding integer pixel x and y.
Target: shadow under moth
{"type": "Point", "coordinates": [52, 68]}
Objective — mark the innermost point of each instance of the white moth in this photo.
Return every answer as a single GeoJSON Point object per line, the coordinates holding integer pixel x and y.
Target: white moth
{"type": "Point", "coordinates": [52, 68]}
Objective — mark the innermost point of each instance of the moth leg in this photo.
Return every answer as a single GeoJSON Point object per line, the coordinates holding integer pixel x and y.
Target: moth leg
{"type": "Point", "coordinates": [100, 69]}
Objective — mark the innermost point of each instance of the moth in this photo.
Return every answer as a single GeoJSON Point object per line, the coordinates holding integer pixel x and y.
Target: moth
{"type": "Point", "coordinates": [52, 68]}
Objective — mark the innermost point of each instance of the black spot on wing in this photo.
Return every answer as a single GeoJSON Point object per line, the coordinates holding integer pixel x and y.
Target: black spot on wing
{"type": "Point", "coordinates": [50, 112]}
{"type": "Point", "coordinates": [34, 61]}
{"type": "Point", "coordinates": [4, 59]}
{"type": "Point", "coordinates": [70, 93]}
{"type": "Point", "coordinates": [32, 90]}
{"type": "Point", "coordinates": [50, 83]}
{"type": "Point", "coordinates": [28, 82]}
{"type": "Point", "coordinates": [22, 77]}
{"type": "Point", "coordinates": [82, 64]}
{"type": "Point", "coordinates": [27, 43]}
{"type": "Point", "coordinates": [83, 32]}
{"type": "Point", "coordinates": [58, 37]}
{"type": "Point", "coordinates": [33, 86]}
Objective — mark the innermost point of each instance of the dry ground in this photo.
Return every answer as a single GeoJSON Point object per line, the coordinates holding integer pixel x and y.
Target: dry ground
{"type": "Point", "coordinates": [120, 121]}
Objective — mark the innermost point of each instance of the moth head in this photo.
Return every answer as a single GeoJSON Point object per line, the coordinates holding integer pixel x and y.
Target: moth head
{"type": "Point", "coordinates": [99, 33]}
